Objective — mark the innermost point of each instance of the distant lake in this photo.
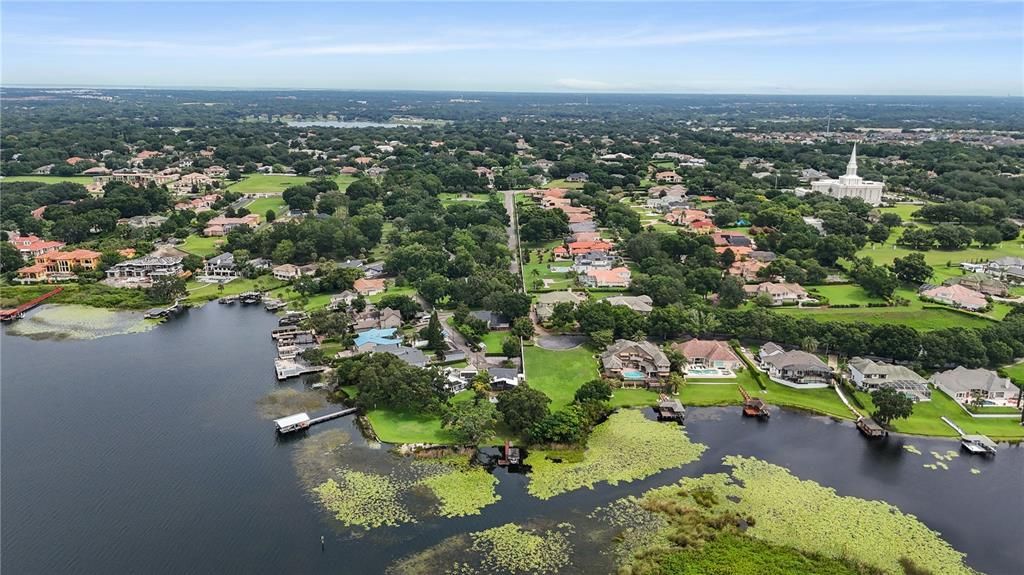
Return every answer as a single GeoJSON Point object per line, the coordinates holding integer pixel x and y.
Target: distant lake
{"type": "Point", "coordinates": [146, 453]}
{"type": "Point", "coordinates": [349, 124]}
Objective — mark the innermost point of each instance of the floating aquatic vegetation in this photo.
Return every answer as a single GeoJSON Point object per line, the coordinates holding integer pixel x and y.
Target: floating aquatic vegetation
{"type": "Point", "coordinates": [975, 471]}
{"type": "Point", "coordinates": [626, 447]}
{"type": "Point", "coordinates": [930, 466]}
{"type": "Point", "coordinates": [814, 519]}
{"type": "Point", "coordinates": [911, 449]}
{"type": "Point", "coordinates": [446, 557]}
{"type": "Point", "coordinates": [318, 456]}
{"type": "Point", "coordinates": [364, 499]}
{"type": "Point", "coordinates": [512, 549]}
{"type": "Point", "coordinates": [942, 464]}
{"type": "Point", "coordinates": [636, 529]}
{"type": "Point", "coordinates": [286, 401]}
{"type": "Point", "coordinates": [461, 488]}
{"type": "Point", "coordinates": [79, 322]}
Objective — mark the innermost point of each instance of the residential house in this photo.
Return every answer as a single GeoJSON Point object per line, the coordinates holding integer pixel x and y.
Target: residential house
{"type": "Point", "coordinates": [581, 248]}
{"type": "Point", "coordinates": [869, 375]}
{"type": "Point", "coordinates": [746, 269]}
{"type": "Point", "coordinates": [955, 295]}
{"type": "Point", "coordinates": [140, 222]}
{"type": "Point", "coordinates": [732, 240]}
{"type": "Point", "coordinates": [369, 287]}
{"type": "Point", "coordinates": [504, 377]}
{"type": "Point", "coordinates": [221, 225]}
{"type": "Point", "coordinates": [146, 268]}
{"type": "Point", "coordinates": [762, 256]}
{"type": "Point", "coordinates": [409, 355]}
{"type": "Point", "coordinates": [495, 320]}
{"type": "Point", "coordinates": [289, 272]}
{"type": "Point", "coordinates": [216, 171]}
{"type": "Point", "coordinates": [676, 191]}
{"type": "Point", "coordinates": [667, 204]}
{"type": "Point", "coordinates": [374, 270]}
{"type": "Point", "coordinates": [58, 266]}
{"type": "Point", "coordinates": [546, 302]}
{"type": "Point", "coordinates": [1008, 269]}
{"type": "Point", "coordinates": [702, 227]}
{"type": "Point", "coordinates": [369, 339]}
{"type": "Point", "coordinates": [708, 354]}
{"type": "Point", "coordinates": [191, 182]}
{"type": "Point", "coordinates": [578, 177]}
{"type": "Point", "coordinates": [635, 362]}
{"type": "Point", "coordinates": [967, 385]}
{"type": "Point", "coordinates": [668, 177]}
{"type": "Point", "coordinates": [638, 303]}
{"type": "Point", "coordinates": [619, 277]}
{"type": "Point", "coordinates": [585, 237]}
{"type": "Point", "coordinates": [780, 293]}
{"type": "Point", "coordinates": [389, 317]}
{"type": "Point", "coordinates": [32, 246]}
{"type": "Point", "coordinates": [343, 299]}
{"type": "Point", "coordinates": [221, 267]}
{"type": "Point", "coordinates": [582, 227]}
{"type": "Point", "coordinates": [794, 368]}
{"type": "Point", "coordinates": [982, 283]}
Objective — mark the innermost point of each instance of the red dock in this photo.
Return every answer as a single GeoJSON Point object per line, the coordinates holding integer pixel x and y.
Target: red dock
{"type": "Point", "coordinates": [15, 313]}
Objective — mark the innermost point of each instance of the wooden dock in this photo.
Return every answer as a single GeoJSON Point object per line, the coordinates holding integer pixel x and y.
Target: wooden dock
{"type": "Point", "coordinates": [753, 406]}
{"type": "Point", "coordinates": [301, 421]}
{"type": "Point", "coordinates": [159, 312]}
{"type": "Point", "coordinates": [17, 312]}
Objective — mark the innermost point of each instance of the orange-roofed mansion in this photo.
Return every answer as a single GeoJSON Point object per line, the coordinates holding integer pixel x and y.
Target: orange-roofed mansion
{"type": "Point", "coordinates": [58, 266]}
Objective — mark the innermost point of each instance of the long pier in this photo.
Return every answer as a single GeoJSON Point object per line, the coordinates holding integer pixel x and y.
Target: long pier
{"type": "Point", "coordinates": [301, 421]}
{"type": "Point", "coordinates": [16, 313]}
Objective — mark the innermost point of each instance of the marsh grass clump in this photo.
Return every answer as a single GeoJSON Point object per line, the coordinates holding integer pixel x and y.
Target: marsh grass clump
{"type": "Point", "coordinates": [286, 401]}
{"type": "Point", "coordinates": [626, 447]}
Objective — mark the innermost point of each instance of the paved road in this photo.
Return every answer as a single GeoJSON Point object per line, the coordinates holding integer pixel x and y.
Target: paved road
{"type": "Point", "coordinates": [513, 230]}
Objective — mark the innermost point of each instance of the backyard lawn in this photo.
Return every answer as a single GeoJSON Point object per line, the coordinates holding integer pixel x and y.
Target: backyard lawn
{"type": "Point", "coordinates": [559, 373]}
{"type": "Point", "coordinates": [200, 245]}
{"type": "Point", "coordinates": [493, 341]}
{"type": "Point", "coordinates": [203, 292]}
{"type": "Point", "coordinates": [561, 183]}
{"type": "Point", "coordinates": [393, 290]}
{"type": "Point", "coordinates": [401, 427]}
{"type": "Point", "coordinates": [926, 419]}
{"type": "Point", "coordinates": [633, 398]}
{"type": "Point", "coordinates": [1016, 373]}
{"type": "Point", "coordinates": [260, 206]}
{"type": "Point", "coordinates": [266, 183]}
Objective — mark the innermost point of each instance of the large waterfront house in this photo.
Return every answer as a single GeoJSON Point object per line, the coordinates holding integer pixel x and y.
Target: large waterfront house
{"type": "Point", "coordinates": [58, 266]}
{"type": "Point", "coordinates": [967, 385]}
{"type": "Point", "coordinates": [146, 268]}
{"type": "Point", "coordinates": [368, 340]}
{"type": "Point", "coordinates": [289, 272]}
{"type": "Point", "coordinates": [869, 375]}
{"type": "Point", "coordinates": [794, 368]}
{"type": "Point", "coordinates": [702, 354]}
{"type": "Point", "coordinates": [635, 362]}
{"type": "Point", "coordinates": [221, 267]}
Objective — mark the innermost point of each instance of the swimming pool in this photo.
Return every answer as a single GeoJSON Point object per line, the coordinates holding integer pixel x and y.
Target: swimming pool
{"type": "Point", "coordinates": [633, 374]}
{"type": "Point", "coordinates": [703, 371]}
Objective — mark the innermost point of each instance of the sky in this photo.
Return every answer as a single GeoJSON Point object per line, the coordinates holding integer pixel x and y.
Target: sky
{"type": "Point", "coordinates": [823, 47]}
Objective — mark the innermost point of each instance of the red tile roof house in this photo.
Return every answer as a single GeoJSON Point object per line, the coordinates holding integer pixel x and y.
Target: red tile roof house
{"type": "Point", "coordinates": [580, 248]}
{"type": "Point", "coordinates": [746, 269]}
{"type": "Point", "coordinates": [580, 218]}
{"type": "Point", "coordinates": [221, 225]}
{"type": "Point", "coordinates": [33, 246]}
{"type": "Point", "coordinates": [368, 287]}
{"type": "Point", "coordinates": [956, 295]}
{"type": "Point", "coordinates": [707, 354]}
{"type": "Point", "coordinates": [703, 227]}
{"type": "Point", "coordinates": [600, 278]}
{"type": "Point", "coordinates": [668, 178]}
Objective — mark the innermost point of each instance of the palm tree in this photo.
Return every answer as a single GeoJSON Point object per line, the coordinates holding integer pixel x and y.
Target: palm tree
{"type": "Point", "coordinates": [809, 344]}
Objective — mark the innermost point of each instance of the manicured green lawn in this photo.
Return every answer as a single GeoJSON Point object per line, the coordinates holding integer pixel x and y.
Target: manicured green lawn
{"type": "Point", "coordinates": [493, 341]}
{"type": "Point", "coordinates": [559, 373]}
{"type": "Point", "coordinates": [266, 183]}
{"type": "Point", "coordinates": [452, 198]}
{"type": "Point", "coordinates": [818, 400]}
{"type": "Point", "coordinates": [200, 292]}
{"type": "Point", "coordinates": [926, 419]}
{"type": "Point", "coordinates": [561, 183]}
{"type": "Point", "coordinates": [885, 253]}
{"type": "Point", "coordinates": [1016, 373]}
{"type": "Point", "coordinates": [393, 290]}
{"type": "Point", "coordinates": [699, 394]}
{"type": "Point", "coordinates": [904, 211]}
{"type": "Point", "coordinates": [344, 181]}
{"type": "Point", "coordinates": [401, 427]}
{"type": "Point", "coordinates": [540, 271]}
{"type": "Point", "coordinates": [633, 398]}
{"type": "Point", "coordinates": [47, 179]}
{"type": "Point", "coordinates": [260, 206]}
{"type": "Point", "coordinates": [201, 245]}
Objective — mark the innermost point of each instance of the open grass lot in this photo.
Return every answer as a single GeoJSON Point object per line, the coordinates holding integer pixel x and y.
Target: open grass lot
{"type": "Point", "coordinates": [47, 179]}
{"type": "Point", "coordinates": [393, 290]}
{"type": "Point", "coordinates": [887, 252]}
{"type": "Point", "coordinates": [452, 198]}
{"type": "Point", "coordinates": [926, 419]}
{"type": "Point", "coordinates": [344, 181]}
{"type": "Point", "coordinates": [402, 427]}
{"type": "Point", "coordinates": [203, 292]}
{"type": "Point", "coordinates": [561, 183]}
{"type": "Point", "coordinates": [559, 373]}
{"type": "Point", "coordinates": [540, 271]}
{"type": "Point", "coordinates": [266, 183]}
{"type": "Point", "coordinates": [260, 206]}
{"type": "Point", "coordinates": [722, 392]}
{"type": "Point", "coordinates": [201, 245]}
{"type": "Point", "coordinates": [904, 211]}
{"type": "Point", "coordinates": [633, 398]}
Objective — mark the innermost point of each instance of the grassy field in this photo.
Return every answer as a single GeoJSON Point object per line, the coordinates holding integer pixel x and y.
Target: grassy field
{"type": "Point", "coordinates": [47, 179]}
{"type": "Point", "coordinates": [452, 198]}
{"type": "Point", "coordinates": [539, 271]}
{"type": "Point", "coordinates": [887, 252]}
{"type": "Point", "coordinates": [402, 427]}
{"type": "Point", "coordinates": [926, 419]}
{"type": "Point", "coordinates": [561, 183]}
{"type": "Point", "coordinates": [343, 181]}
{"type": "Point", "coordinates": [902, 210]}
{"type": "Point", "coordinates": [261, 205]}
{"type": "Point", "coordinates": [1016, 373]}
{"type": "Point", "coordinates": [493, 340]}
{"type": "Point", "coordinates": [919, 314]}
{"type": "Point", "coordinates": [559, 373]}
{"type": "Point", "coordinates": [266, 183]}
{"type": "Point", "coordinates": [393, 290]}
{"type": "Point", "coordinates": [201, 245]}
{"type": "Point", "coordinates": [203, 292]}
{"type": "Point", "coordinates": [633, 398]}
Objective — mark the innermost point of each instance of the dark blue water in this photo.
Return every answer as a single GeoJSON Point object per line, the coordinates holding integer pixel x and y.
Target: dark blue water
{"type": "Point", "coordinates": [145, 453]}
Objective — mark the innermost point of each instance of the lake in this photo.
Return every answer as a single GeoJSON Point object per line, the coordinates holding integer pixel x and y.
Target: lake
{"type": "Point", "coordinates": [146, 453]}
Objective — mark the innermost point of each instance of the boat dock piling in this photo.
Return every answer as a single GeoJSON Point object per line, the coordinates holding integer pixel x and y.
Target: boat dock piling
{"type": "Point", "coordinates": [17, 312]}
{"type": "Point", "coordinates": [301, 421]}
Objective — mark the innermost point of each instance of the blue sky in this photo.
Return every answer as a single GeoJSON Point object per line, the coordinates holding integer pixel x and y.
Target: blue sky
{"type": "Point", "coordinates": [935, 48]}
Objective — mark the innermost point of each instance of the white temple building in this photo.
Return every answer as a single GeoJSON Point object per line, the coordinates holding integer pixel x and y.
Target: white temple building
{"type": "Point", "coordinates": [851, 185]}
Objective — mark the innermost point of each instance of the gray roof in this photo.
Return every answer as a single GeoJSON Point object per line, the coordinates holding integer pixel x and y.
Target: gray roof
{"type": "Point", "coordinates": [148, 261]}
{"type": "Point", "coordinates": [409, 355]}
{"type": "Point", "coordinates": [492, 318]}
{"type": "Point", "coordinates": [503, 373]}
{"type": "Point", "coordinates": [888, 370]}
{"type": "Point", "coordinates": [963, 379]}
{"type": "Point", "coordinates": [644, 348]}
{"type": "Point", "coordinates": [796, 359]}
{"type": "Point", "coordinates": [226, 259]}
{"type": "Point", "coordinates": [637, 303]}
{"type": "Point", "coordinates": [557, 297]}
{"type": "Point", "coordinates": [770, 348]}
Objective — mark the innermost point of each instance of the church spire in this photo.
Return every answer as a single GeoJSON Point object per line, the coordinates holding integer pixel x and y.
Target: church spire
{"type": "Point", "coordinates": [851, 166]}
